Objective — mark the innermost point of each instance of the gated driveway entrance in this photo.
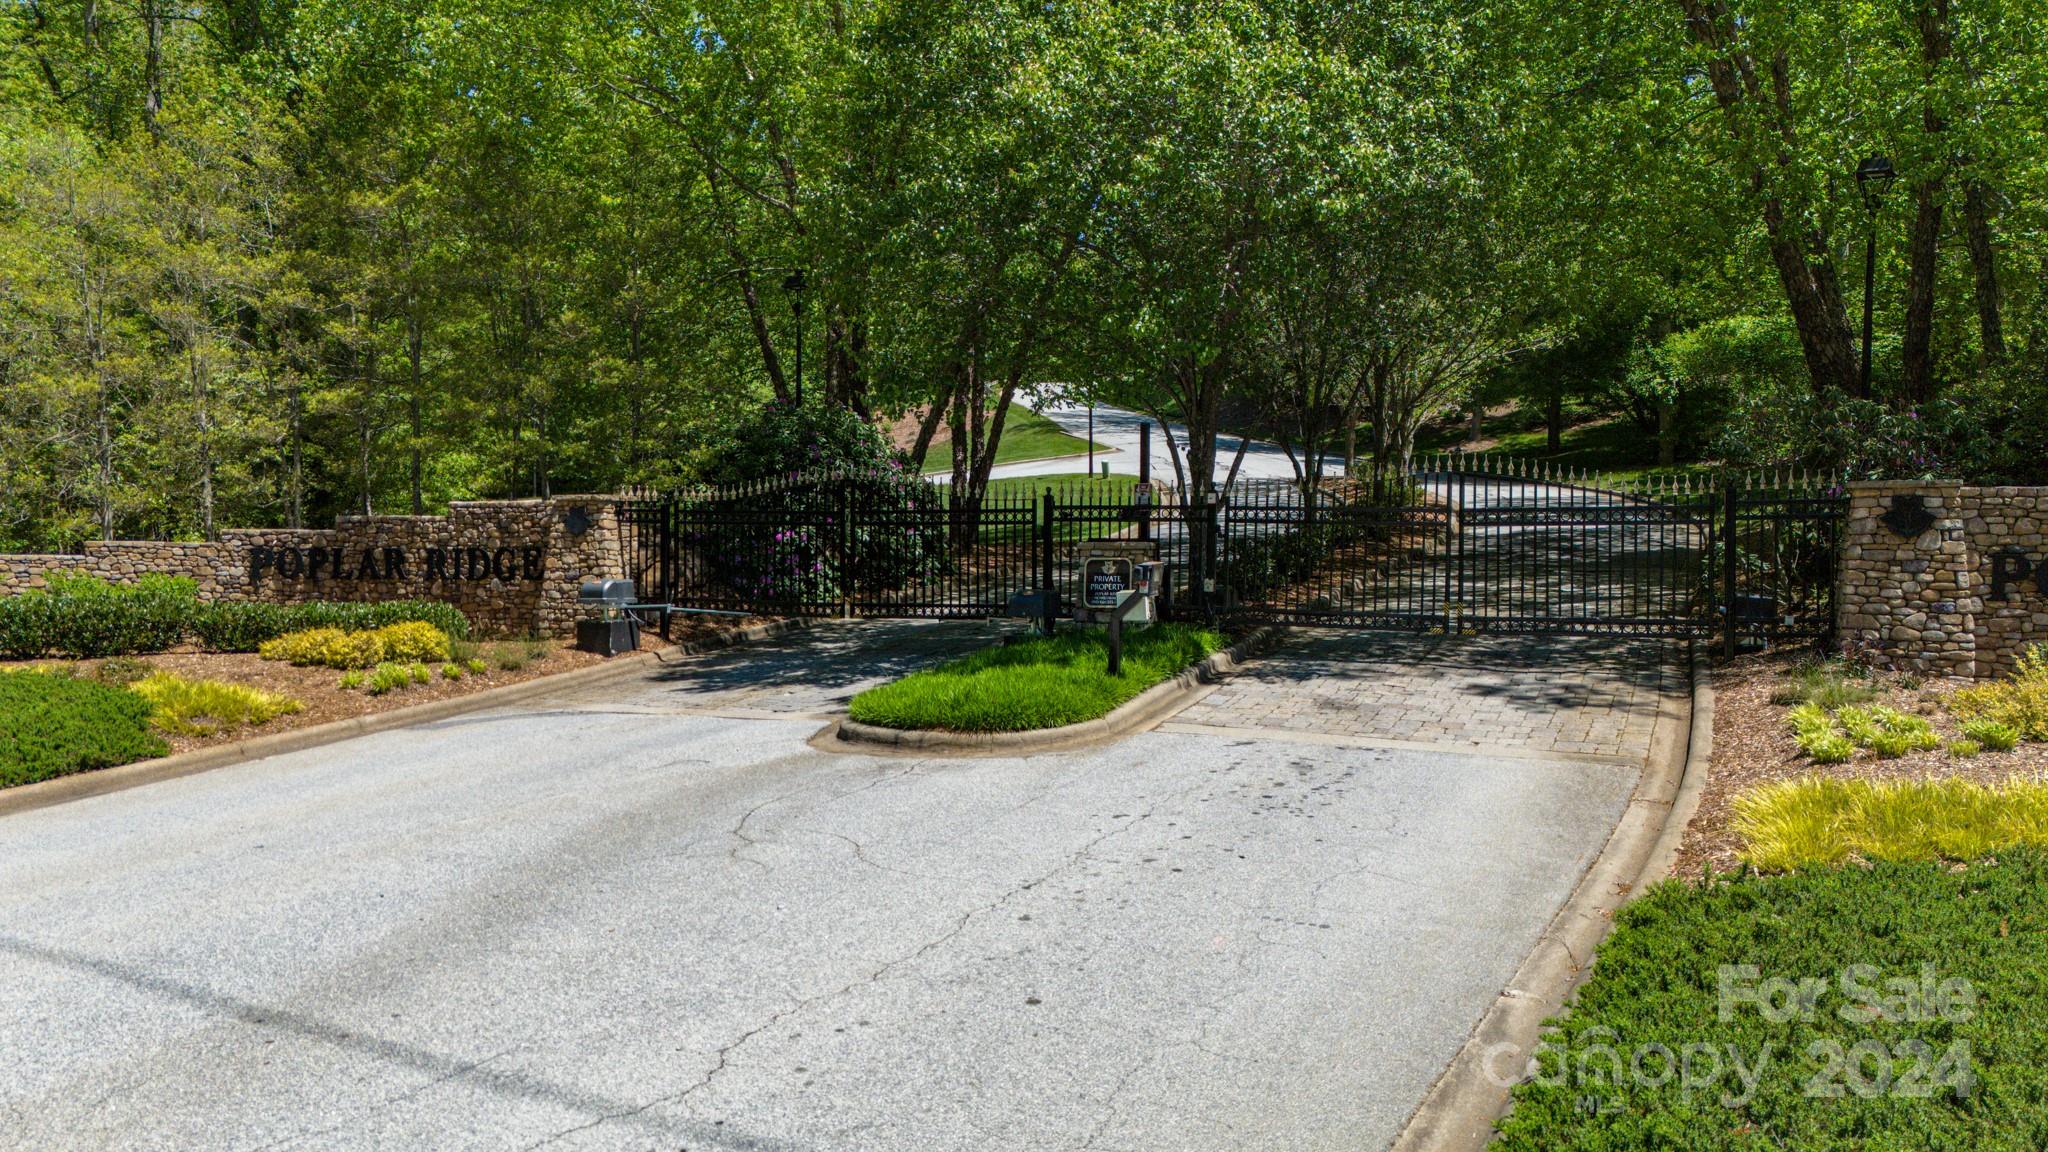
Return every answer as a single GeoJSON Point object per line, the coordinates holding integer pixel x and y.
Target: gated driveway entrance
{"type": "Point", "coordinates": [1456, 545]}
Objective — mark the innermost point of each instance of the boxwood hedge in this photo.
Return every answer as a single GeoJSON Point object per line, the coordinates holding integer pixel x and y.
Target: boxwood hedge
{"type": "Point", "coordinates": [90, 619]}
{"type": "Point", "coordinates": [86, 617]}
{"type": "Point", "coordinates": [52, 725]}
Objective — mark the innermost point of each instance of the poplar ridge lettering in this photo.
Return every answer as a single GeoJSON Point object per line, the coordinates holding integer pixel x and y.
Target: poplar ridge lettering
{"type": "Point", "coordinates": [458, 565]}
{"type": "Point", "coordinates": [2012, 567]}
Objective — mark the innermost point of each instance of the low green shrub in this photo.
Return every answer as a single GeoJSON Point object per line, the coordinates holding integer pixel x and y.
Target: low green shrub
{"type": "Point", "coordinates": [25, 626]}
{"type": "Point", "coordinates": [1884, 730]}
{"type": "Point", "coordinates": [240, 627]}
{"type": "Point", "coordinates": [1677, 1042]}
{"type": "Point", "coordinates": [1039, 683]}
{"type": "Point", "coordinates": [452, 671]}
{"type": "Point", "coordinates": [412, 641]}
{"type": "Point", "coordinates": [55, 725]}
{"type": "Point", "coordinates": [1964, 749]}
{"type": "Point", "coordinates": [388, 678]}
{"type": "Point", "coordinates": [1828, 684]}
{"type": "Point", "coordinates": [1828, 748]}
{"type": "Point", "coordinates": [121, 671]}
{"type": "Point", "coordinates": [1992, 734]}
{"type": "Point", "coordinates": [354, 679]}
{"type": "Point", "coordinates": [87, 618]}
{"type": "Point", "coordinates": [203, 707]}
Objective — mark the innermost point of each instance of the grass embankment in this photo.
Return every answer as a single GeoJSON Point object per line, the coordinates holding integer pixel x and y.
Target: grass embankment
{"type": "Point", "coordinates": [1956, 959]}
{"type": "Point", "coordinates": [1032, 684]}
{"type": "Point", "coordinates": [1026, 436]}
{"type": "Point", "coordinates": [1613, 448]}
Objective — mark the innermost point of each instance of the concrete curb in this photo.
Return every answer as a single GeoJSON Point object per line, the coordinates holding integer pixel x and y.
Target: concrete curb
{"type": "Point", "coordinates": [98, 782]}
{"type": "Point", "coordinates": [1459, 1113]}
{"type": "Point", "coordinates": [1147, 709]}
{"type": "Point", "coordinates": [1699, 754]}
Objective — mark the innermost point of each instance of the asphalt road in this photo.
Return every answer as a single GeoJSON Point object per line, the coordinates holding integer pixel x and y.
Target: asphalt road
{"type": "Point", "coordinates": [654, 918]}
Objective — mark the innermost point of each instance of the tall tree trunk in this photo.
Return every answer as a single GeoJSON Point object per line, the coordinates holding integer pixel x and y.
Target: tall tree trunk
{"type": "Point", "coordinates": [1923, 250]}
{"type": "Point", "coordinates": [152, 66]}
{"type": "Point", "coordinates": [295, 407]}
{"type": "Point", "coordinates": [1923, 253]}
{"type": "Point", "coordinates": [1984, 263]}
{"type": "Point", "coordinates": [203, 428]}
{"type": "Point", "coordinates": [413, 341]}
{"type": "Point", "coordinates": [1799, 246]}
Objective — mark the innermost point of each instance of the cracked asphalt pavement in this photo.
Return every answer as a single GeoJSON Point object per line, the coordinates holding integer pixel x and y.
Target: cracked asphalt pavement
{"type": "Point", "coordinates": [622, 920]}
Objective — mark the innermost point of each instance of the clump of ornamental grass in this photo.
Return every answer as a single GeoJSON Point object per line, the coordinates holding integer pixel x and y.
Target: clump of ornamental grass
{"type": "Point", "coordinates": [203, 707]}
{"type": "Point", "coordinates": [1819, 820]}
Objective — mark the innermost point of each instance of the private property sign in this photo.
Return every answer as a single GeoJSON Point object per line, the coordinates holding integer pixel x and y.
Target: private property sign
{"type": "Point", "coordinates": [1103, 577]}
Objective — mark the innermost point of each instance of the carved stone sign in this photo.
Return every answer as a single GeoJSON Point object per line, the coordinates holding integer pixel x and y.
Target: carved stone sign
{"type": "Point", "coordinates": [473, 564]}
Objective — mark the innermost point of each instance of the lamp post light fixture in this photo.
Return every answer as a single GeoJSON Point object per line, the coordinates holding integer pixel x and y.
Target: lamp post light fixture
{"type": "Point", "coordinates": [1873, 178]}
{"type": "Point", "coordinates": [795, 286]}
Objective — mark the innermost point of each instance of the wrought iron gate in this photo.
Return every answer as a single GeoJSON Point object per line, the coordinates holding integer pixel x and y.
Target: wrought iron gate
{"type": "Point", "coordinates": [1462, 544]}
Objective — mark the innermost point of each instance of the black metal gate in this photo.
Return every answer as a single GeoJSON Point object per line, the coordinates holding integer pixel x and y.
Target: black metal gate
{"type": "Point", "coordinates": [1462, 544]}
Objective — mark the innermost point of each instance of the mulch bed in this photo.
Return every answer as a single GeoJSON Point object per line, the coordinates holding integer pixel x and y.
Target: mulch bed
{"type": "Point", "coordinates": [319, 689]}
{"type": "Point", "coordinates": [1753, 746]}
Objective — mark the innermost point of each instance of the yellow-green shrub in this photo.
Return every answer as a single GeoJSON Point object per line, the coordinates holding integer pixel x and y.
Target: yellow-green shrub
{"type": "Point", "coordinates": [324, 648]}
{"type": "Point", "coordinates": [2019, 702]}
{"type": "Point", "coordinates": [1821, 820]}
{"type": "Point", "coordinates": [203, 707]}
{"type": "Point", "coordinates": [412, 641]}
{"type": "Point", "coordinates": [334, 648]}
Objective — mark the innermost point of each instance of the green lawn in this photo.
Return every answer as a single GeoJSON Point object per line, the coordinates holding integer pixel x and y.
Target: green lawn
{"type": "Point", "coordinates": [1026, 436]}
{"type": "Point", "coordinates": [1037, 683]}
{"type": "Point", "coordinates": [1672, 995]}
{"type": "Point", "coordinates": [1069, 488]}
{"type": "Point", "coordinates": [1615, 448]}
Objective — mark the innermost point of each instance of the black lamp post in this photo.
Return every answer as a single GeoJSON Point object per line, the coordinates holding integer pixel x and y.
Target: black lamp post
{"type": "Point", "coordinates": [1874, 178]}
{"type": "Point", "coordinates": [795, 287]}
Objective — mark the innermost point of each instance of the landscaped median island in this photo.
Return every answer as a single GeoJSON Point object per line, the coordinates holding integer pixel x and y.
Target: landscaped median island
{"type": "Point", "coordinates": [1037, 683]}
{"type": "Point", "coordinates": [1854, 952]}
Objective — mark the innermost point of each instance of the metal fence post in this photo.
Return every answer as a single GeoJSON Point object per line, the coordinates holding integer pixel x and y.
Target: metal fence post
{"type": "Point", "coordinates": [1145, 480]}
{"type": "Point", "coordinates": [1728, 567]}
{"type": "Point", "coordinates": [847, 574]}
{"type": "Point", "coordinates": [1045, 556]}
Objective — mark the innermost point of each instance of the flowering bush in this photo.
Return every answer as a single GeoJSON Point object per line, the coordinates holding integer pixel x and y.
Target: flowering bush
{"type": "Point", "coordinates": [816, 505]}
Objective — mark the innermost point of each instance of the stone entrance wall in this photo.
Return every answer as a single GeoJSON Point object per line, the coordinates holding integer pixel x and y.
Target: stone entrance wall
{"type": "Point", "coordinates": [512, 566]}
{"type": "Point", "coordinates": [1945, 578]}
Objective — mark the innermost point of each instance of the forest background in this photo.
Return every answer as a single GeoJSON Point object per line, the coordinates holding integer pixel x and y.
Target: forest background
{"type": "Point", "coordinates": [267, 261]}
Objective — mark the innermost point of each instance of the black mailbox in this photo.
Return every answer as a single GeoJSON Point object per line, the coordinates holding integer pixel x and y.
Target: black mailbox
{"type": "Point", "coordinates": [614, 629]}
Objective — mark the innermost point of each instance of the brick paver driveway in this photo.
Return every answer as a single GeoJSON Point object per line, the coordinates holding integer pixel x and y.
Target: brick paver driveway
{"type": "Point", "coordinates": [1550, 696]}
